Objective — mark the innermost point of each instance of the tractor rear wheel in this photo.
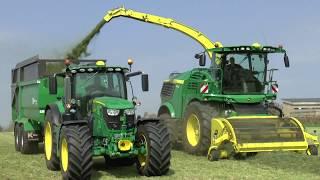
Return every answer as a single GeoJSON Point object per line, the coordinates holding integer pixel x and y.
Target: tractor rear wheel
{"type": "Point", "coordinates": [76, 152]}
{"type": "Point", "coordinates": [26, 146]}
{"type": "Point", "coordinates": [17, 140]}
{"type": "Point", "coordinates": [154, 136]}
{"type": "Point", "coordinates": [196, 127]}
{"type": "Point", "coordinates": [50, 143]}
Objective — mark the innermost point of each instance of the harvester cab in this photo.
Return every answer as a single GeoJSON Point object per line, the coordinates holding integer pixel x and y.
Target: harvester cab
{"type": "Point", "coordinates": [226, 107]}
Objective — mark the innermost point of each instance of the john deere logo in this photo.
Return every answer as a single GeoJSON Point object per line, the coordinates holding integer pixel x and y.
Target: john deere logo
{"type": "Point", "coordinates": [249, 99]}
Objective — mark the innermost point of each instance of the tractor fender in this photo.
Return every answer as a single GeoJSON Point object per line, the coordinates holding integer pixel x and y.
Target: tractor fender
{"type": "Point", "coordinates": [143, 120]}
{"type": "Point", "coordinates": [56, 115]}
{"type": "Point", "coordinates": [167, 107]}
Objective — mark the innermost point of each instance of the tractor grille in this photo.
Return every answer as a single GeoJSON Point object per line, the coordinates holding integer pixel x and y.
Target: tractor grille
{"type": "Point", "coordinates": [130, 121]}
{"type": "Point", "coordinates": [266, 130]}
{"type": "Point", "coordinates": [113, 122]}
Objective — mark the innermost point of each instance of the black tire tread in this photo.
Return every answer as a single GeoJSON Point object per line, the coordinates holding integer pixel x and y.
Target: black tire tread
{"type": "Point", "coordinates": [159, 148]}
{"type": "Point", "coordinates": [207, 112]}
{"type": "Point", "coordinates": [53, 163]}
{"type": "Point", "coordinates": [80, 152]}
{"type": "Point", "coordinates": [27, 147]}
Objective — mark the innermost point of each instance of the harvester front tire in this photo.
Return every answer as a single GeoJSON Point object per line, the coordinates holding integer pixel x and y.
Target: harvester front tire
{"type": "Point", "coordinates": [214, 155]}
{"type": "Point", "coordinates": [313, 150]}
{"type": "Point", "coordinates": [203, 113]}
{"type": "Point", "coordinates": [76, 152]}
{"type": "Point", "coordinates": [50, 147]}
{"type": "Point", "coordinates": [27, 147]}
{"type": "Point", "coordinates": [17, 139]}
{"type": "Point", "coordinates": [172, 129]}
{"type": "Point", "coordinates": [156, 138]}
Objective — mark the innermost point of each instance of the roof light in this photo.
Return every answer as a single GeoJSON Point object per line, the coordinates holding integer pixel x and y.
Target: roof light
{"type": "Point", "coordinates": [256, 45]}
{"type": "Point", "coordinates": [100, 63]}
{"type": "Point", "coordinates": [67, 62]}
{"type": "Point", "coordinates": [130, 61]}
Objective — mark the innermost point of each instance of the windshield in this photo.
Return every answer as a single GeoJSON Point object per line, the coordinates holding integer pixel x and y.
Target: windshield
{"type": "Point", "coordinates": [244, 73]}
{"type": "Point", "coordinates": [100, 84]}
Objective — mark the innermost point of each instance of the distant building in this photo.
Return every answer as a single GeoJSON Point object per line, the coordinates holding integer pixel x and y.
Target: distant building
{"type": "Point", "coordinates": [301, 107]}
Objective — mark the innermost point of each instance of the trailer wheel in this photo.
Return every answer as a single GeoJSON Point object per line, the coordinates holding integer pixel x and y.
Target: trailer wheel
{"type": "Point", "coordinates": [27, 147]}
{"type": "Point", "coordinates": [154, 136]}
{"type": "Point", "coordinates": [17, 139]}
{"type": "Point", "coordinates": [312, 150]}
{"type": "Point", "coordinates": [196, 127]}
{"type": "Point", "coordinates": [76, 152]}
{"type": "Point", "coordinates": [50, 144]}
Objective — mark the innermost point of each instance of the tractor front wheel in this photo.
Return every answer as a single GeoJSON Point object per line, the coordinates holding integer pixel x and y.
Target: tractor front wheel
{"type": "Point", "coordinates": [154, 136]}
{"type": "Point", "coordinates": [76, 152]}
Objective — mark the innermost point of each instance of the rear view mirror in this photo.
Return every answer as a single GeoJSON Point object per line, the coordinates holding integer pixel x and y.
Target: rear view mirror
{"type": "Point", "coordinates": [202, 59]}
{"type": "Point", "coordinates": [145, 82]}
{"type": "Point", "coordinates": [52, 85]}
{"type": "Point", "coordinates": [286, 60]}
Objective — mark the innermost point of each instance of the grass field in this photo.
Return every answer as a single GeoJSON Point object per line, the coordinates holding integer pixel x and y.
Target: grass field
{"type": "Point", "coordinates": [279, 165]}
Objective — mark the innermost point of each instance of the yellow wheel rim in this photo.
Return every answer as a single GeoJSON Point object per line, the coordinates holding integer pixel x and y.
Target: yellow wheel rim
{"type": "Point", "coordinates": [142, 158]}
{"type": "Point", "coordinates": [48, 141]}
{"type": "Point", "coordinates": [64, 154]}
{"type": "Point", "coordinates": [193, 130]}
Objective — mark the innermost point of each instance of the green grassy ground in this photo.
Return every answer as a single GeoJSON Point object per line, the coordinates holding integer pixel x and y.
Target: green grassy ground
{"type": "Point", "coordinates": [280, 165]}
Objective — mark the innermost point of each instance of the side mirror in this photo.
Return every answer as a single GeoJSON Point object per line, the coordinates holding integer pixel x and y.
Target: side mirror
{"type": "Point", "coordinates": [52, 85]}
{"type": "Point", "coordinates": [145, 82]}
{"type": "Point", "coordinates": [202, 59]}
{"type": "Point", "coordinates": [286, 60]}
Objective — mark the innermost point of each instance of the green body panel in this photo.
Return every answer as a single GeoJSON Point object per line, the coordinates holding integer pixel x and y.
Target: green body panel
{"type": "Point", "coordinates": [33, 97]}
{"type": "Point", "coordinates": [114, 103]}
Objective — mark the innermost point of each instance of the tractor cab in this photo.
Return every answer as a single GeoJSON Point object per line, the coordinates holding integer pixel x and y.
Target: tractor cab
{"type": "Point", "coordinates": [85, 86]}
{"type": "Point", "coordinates": [244, 69]}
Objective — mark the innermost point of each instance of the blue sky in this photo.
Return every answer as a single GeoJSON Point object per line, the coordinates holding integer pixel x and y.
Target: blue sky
{"type": "Point", "coordinates": [50, 28]}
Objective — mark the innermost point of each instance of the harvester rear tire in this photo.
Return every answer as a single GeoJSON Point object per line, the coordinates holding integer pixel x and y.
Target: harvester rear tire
{"type": "Point", "coordinates": [204, 112]}
{"type": "Point", "coordinates": [52, 162]}
{"type": "Point", "coordinates": [76, 154]}
{"type": "Point", "coordinates": [172, 129]}
{"type": "Point", "coordinates": [156, 137]}
{"type": "Point", "coordinates": [26, 146]}
{"type": "Point", "coordinates": [17, 138]}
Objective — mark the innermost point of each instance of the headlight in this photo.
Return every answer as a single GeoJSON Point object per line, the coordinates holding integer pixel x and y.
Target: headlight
{"type": "Point", "coordinates": [129, 112]}
{"type": "Point", "coordinates": [113, 112]}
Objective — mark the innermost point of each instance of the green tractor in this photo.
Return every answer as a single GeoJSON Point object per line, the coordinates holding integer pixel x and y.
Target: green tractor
{"type": "Point", "coordinates": [224, 110]}
{"type": "Point", "coordinates": [82, 110]}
